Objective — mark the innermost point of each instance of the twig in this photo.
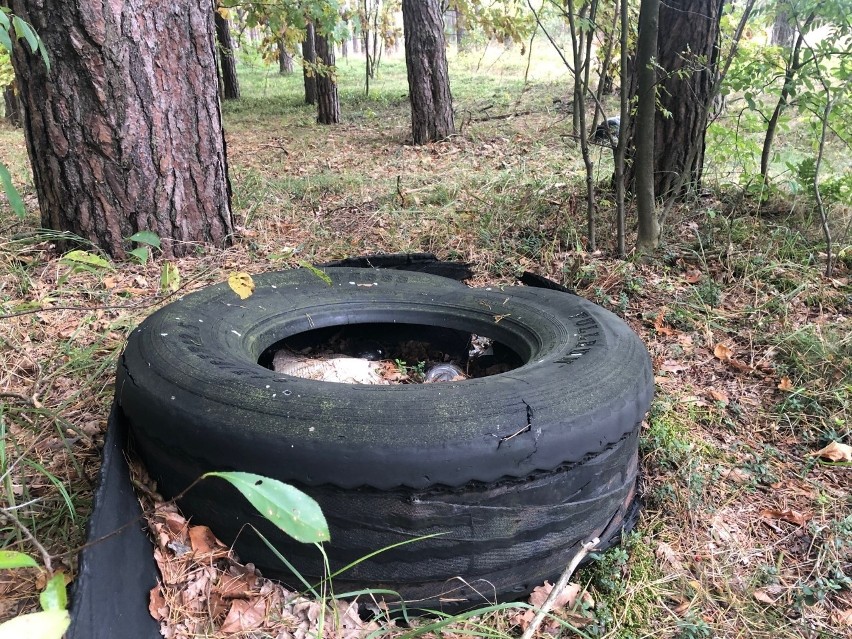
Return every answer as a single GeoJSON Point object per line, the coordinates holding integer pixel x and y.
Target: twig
{"type": "Point", "coordinates": [559, 587]}
{"type": "Point", "coordinates": [502, 116]}
{"type": "Point", "coordinates": [45, 556]}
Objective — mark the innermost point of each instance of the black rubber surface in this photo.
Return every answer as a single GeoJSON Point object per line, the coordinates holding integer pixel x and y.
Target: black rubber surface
{"type": "Point", "coordinates": [516, 469]}
{"type": "Point", "coordinates": [109, 598]}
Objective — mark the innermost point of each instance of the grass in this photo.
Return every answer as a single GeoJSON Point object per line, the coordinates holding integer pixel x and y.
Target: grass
{"type": "Point", "coordinates": [724, 450]}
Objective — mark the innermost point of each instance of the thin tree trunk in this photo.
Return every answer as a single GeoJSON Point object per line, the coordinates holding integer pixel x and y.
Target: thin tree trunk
{"type": "Point", "coordinates": [794, 66]}
{"type": "Point", "coordinates": [621, 148]}
{"type": "Point", "coordinates": [230, 82]}
{"type": "Point", "coordinates": [428, 77]}
{"type": "Point", "coordinates": [310, 56]}
{"type": "Point", "coordinates": [124, 132]}
{"type": "Point", "coordinates": [285, 60]}
{"type": "Point", "coordinates": [328, 105]}
{"type": "Point", "coordinates": [649, 229]}
{"type": "Point", "coordinates": [13, 105]}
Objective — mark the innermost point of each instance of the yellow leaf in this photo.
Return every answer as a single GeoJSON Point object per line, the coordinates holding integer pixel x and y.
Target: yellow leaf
{"type": "Point", "coordinates": [835, 451]}
{"type": "Point", "coordinates": [241, 284]}
{"type": "Point", "coordinates": [224, 12]}
{"type": "Point", "coordinates": [723, 352]}
{"type": "Point", "coordinates": [785, 384]}
{"type": "Point", "coordinates": [169, 277]}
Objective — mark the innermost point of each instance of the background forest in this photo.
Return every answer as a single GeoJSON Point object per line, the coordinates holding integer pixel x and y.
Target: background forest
{"type": "Point", "coordinates": [684, 164]}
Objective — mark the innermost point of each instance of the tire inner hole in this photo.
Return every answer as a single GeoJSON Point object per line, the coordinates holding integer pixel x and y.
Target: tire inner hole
{"type": "Point", "coordinates": [397, 353]}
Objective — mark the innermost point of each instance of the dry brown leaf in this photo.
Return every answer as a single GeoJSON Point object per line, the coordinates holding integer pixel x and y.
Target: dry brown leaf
{"type": "Point", "coordinates": [244, 615]}
{"type": "Point", "coordinates": [236, 586]}
{"type": "Point", "coordinates": [717, 395]}
{"type": "Point", "coordinates": [666, 553]}
{"type": "Point", "coordinates": [737, 475]}
{"type": "Point", "coordinates": [723, 352]}
{"type": "Point", "coordinates": [785, 384]}
{"type": "Point", "coordinates": [693, 276]}
{"type": "Point", "coordinates": [769, 595]}
{"type": "Point", "coordinates": [659, 325]}
{"type": "Point", "coordinates": [157, 604]}
{"type": "Point", "coordinates": [670, 366]}
{"type": "Point", "coordinates": [203, 540]}
{"type": "Point", "coordinates": [176, 524]}
{"type": "Point", "coordinates": [788, 515]}
{"type": "Point", "coordinates": [565, 599]}
{"type": "Point", "coordinates": [835, 451]}
{"type": "Point", "coordinates": [842, 617]}
{"type": "Point", "coordinates": [681, 608]}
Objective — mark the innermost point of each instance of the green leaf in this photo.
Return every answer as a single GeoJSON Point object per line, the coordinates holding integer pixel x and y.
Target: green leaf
{"type": "Point", "coordinates": [5, 40]}
{"type": "Point", "coordinates": [12, 194]}
{"type": "Point", "coordinates": [44, 56]}
{"type": "Point", "coordinates": [4, 20]}
{"type": "Point", "coordinates": [54, 595]}
{"type": "Point", "coordinates": [169, 278]}
{"type": "Point", "coordinates": [49, 624]}
{"type": "Point", "coordinates": [140, 254]}
{"type": "Point", "coordinates": [87, 259]}
{"type": "Point", "coordinates": [313, 269]}
{"type": "Point", "coordinates": [12, 559]}
{"type": "Point", "coordinates": [146, 237]}
{"type": "Point", "coordinates": [23, 30]}
{"type": "Point", "coordinates": [287, 507]}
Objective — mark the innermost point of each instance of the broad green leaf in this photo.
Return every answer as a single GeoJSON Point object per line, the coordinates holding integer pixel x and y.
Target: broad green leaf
{"type": "Point", "coordinates": [4, 20]}
{"type": "Point", "coordinates": [146, 237]}
{"type": "Point", "coordinates": [54, 595]}
{"type": "Point", "coordinates": [287, 507]}
{"type": "Point", "coordinates": [5, 40]}
{"type": "Point", "coordinates": [241, 284]}
{"type": "Point", "coordinates": [49, 624]}
{"type": "Point", "coordinates": [44, 55]}
{"type": "Point", "coordinates": [169, 278]}
{"type": "Point", "coordinates": [12, 559]}
{"type": "Point", "coordinates": [140, 253]}
{"type": "Point", "coordinates": [12, 194]}
{"type": "Point", "coordinates": [313, 269]}
{"type": "Point", "coordinates": [23, 30]}
{"type": "Point", "coordinates": [86, 258]}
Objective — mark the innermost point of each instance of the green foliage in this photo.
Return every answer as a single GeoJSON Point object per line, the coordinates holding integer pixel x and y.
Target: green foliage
{"type": "Point", "coordinates": [54, 619]}
{"type": "Point", "coordinates": [283, 505]}
{"type": "Point", "coordinates": [147, 239]}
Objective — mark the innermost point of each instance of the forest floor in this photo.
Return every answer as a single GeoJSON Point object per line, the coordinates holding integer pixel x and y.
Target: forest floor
{"type": "Point", "coordinates": [744, 532]}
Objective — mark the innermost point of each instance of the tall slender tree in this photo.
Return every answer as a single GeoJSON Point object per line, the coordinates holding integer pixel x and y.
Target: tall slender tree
{"type": "Point", "coordinates": [649, 227]}
{"type": "Point", "coordinates": [428, 75]}
{"type": "Point", "coordinates": [227, 62]}
{"type": "Point", "coordinates": [124, 131]}
{"type": "Point", "coordinates": [309, 55]}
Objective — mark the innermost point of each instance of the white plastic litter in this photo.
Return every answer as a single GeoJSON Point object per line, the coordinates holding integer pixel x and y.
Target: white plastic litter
{"type": "Point", "coordinates": [334, 368]}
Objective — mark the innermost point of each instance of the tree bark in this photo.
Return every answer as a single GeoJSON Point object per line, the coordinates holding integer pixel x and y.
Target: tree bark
{"type": "Point", "coordinates": [328, 105]}
{"type": "Point", "coordinates": [688, 60]}
{"type": "Point", "coordinates": [782, 29]}
{"type": "Point", "coordinates": [428, 76]}
{"type": "Point", "coordinates": [309, 53]}
{"type": "Point", "coordinates": [649, 228]}
{"type": "Point", "coordinates": [230, 82]}
{"type": "Point", "coordinates": [285, 60]}
{"type": "Point", "coordinates": [124, 132]}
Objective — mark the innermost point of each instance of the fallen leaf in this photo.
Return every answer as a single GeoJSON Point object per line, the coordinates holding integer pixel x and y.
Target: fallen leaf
{"type": "Point", "coordinates": [659, 324]}
{"type": "Point", "coordinates": [565, 599]}
{"type": "Point", "coordinates": [723, 352]}
{"type": "Point", "coordinates": [718, 396]}
{"type": "Point", "coordinates": [693, 276]}
{"type": "Point", "coordinates": [720, 529]}
{"type": "Point", "coordinates": [769, 595]}
{"type": "Point", "coordinates": [737, 475]}
{"type": "Point", "coordinates": [666, 553]}
{"type": "Point", "coordinates": [788, 515]}
{"type": "Point", "coordinates": [157, 604]}
{"type": "Point", "coordinates": [670, 366]}
{"type": "Point", "coordinates": [842, 617]}
{"type": "Point", "coordinates": [244, 615]}
{"type": "Point", "coordinates": [835, 451]}
{"type": "Point", "coordinates": [681, 608]}
{"type": "Point", "coordinates": [785, 384]}
{"type": "Point", "coordinates": [203, 540]}
{"type": "Point", "coordinates": [242, 284]}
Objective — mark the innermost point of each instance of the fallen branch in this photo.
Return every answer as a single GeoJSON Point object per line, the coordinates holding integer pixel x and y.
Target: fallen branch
{"type": "Point", "coordinates": [559, 587]}
{"type": "Point", "coordinates": [502, 116]}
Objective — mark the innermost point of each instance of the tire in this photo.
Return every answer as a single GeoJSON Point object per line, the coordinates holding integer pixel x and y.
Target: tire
{"type": "Point", "coordinates": [515, 470]}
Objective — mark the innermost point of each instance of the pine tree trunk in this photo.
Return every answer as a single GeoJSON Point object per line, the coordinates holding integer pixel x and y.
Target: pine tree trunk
{"type": "Point", "coordinates": [310, 56]}
{"type": "Point", "coordinates": [285, 60]}
{"type": "Point", "coordinates": [328, 105]}
{"type": "Point", "coordinates": [124, 132]}
{"type": "Point", "coordinates": [230, 82]}
{"type": "Point", "coordinates": [649, 229]}
{"type": "Point", "coordinates": [428, 77]}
